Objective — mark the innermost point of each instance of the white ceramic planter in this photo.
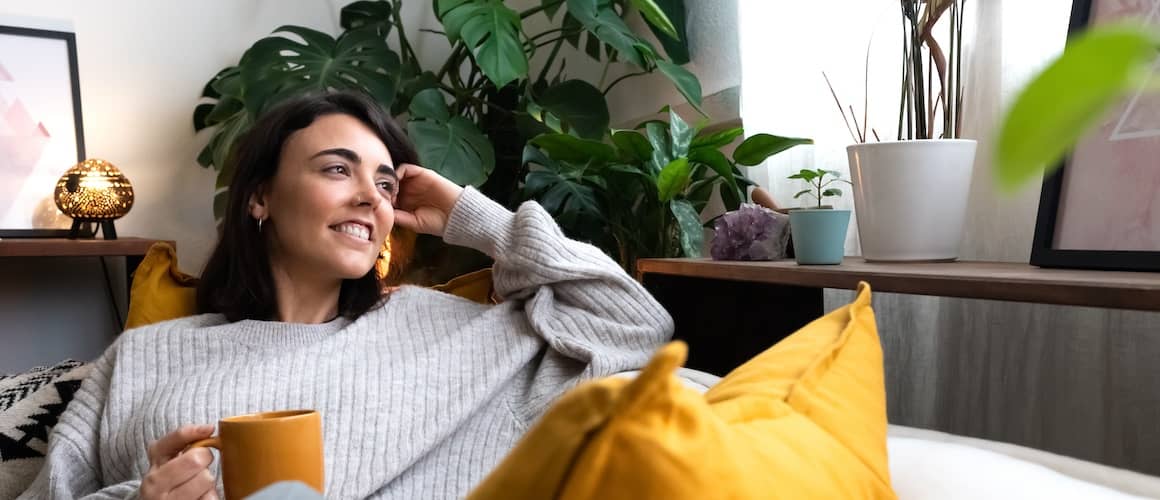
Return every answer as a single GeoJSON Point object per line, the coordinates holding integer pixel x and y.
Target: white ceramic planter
{"type": "Point", "coordinates": [911, 197]}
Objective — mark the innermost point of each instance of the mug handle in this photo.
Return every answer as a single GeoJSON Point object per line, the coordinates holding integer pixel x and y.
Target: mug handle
{"type": "Point", "coordinates": [213, 442]}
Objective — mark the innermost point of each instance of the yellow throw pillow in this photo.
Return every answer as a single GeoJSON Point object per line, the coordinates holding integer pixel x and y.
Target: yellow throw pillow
{"type": "Point", "coordinates": [160, 290]}
{"type": "Point", "coordinates": [805, 419]}
{"type": "Point", "coordinates": [474, 286]}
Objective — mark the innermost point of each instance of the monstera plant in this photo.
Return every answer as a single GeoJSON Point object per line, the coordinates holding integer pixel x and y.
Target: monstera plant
{"type": "Point", "coordinates": [471, 115]}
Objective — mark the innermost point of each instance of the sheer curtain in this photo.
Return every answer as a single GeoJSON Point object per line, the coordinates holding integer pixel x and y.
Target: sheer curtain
{"type": "Point", "coordinates": [1077, 381]}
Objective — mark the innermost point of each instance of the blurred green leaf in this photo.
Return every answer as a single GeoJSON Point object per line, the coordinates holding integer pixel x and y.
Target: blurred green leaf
{"type": "Point", "coordinates": [689, 221]}
{"type": "Point", "coordinates": [633, 145]}
{"type": "Point", "coordinates": [578, 104]}
{"type": "Point", "coordinates": [599, 18]}
{"type": "Point", "coordinates": [800, 193]}
{"type": "Point", "coordinates": [677, 48]}
{"type": "Point", "coordinates": [1069, 97]}
{"type": "Point", "coordinates": [681, 135]}
{"type": "Point", "coordinates": [564, 147]}
{"type": "Point", "coordinates": [673, 179]}
{"type": "Point", "coordinates": [717, 161]}
{"type": "Point", "coordinates": [687, 83]}
{"type": "Point", "coordinates": [656, 17]}
{"type": "Point", "coordinates": [657, 133]}
{"type": "Point", "coordinates": [758, 147]}
{"type": "Point", "coordinates": [832, 192]}
{"type": "Point", "coordinates": [718, 139]}
{"type": "Point", "coordinates": [368, 13]}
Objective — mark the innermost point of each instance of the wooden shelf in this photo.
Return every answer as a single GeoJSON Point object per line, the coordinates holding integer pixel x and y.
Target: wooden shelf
{"type": "Point", "coordinates": [966, 279]}
{"type": "Point", "coordinates": [62, 247]}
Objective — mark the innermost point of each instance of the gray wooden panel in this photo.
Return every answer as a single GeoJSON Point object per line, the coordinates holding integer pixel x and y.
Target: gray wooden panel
{"type": "Point", "coordinates": [1081, 382]}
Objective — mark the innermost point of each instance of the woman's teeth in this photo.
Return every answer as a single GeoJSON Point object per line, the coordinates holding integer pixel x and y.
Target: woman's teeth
{"type": "Point", "coordinates": [357, 230]}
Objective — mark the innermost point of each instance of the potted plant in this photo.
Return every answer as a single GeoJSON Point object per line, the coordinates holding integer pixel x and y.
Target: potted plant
{"type": "Point", "coordinates": [911, 194]}
{"type": "Point", "coordinates": [640, 193]}
{"type": "Point", "coordinates": [819, 232]}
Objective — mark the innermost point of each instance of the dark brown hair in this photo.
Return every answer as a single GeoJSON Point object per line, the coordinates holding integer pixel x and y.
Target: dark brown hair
{"type": "Point", "coordinates": [237, 280]}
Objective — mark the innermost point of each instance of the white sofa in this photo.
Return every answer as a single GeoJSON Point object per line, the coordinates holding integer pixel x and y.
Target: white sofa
{"type": "Point", "coordinates": [931, 465]}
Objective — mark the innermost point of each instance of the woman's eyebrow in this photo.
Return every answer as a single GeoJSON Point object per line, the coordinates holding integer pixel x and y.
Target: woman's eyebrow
{"type": "Point", "coordinates": [347, 154]}
{"type": "Point", "coordinates": [388, 170]}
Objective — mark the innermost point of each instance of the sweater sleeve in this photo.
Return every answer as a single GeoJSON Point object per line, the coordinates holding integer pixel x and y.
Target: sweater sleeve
{"type": "Point", "coordinates": [575, 297]}
{"type": "Point", "coordinates": [72, 465]}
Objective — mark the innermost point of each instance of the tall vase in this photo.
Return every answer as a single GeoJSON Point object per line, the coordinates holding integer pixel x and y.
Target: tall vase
{"type": "Point", "coordinates": [911, 197]}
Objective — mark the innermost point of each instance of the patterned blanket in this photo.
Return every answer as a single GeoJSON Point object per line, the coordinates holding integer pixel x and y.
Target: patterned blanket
{"type": "Point", "coordinates": [30, 404]}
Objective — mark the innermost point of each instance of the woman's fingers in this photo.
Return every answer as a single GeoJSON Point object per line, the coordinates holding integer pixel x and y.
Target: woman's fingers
{"type": "Point", "coordinates": [170, 445]}
{"type": "Point", "coordinates": [197, 487]}
{"type": "Point", "coordinates": [165, 480]}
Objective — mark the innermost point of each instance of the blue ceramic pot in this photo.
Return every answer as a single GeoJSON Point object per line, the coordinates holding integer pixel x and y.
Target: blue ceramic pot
{"type": "Point", "coordinates": [819, 235]}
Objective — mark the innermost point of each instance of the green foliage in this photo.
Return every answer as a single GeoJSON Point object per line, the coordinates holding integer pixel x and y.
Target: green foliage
{"type": "Point", "coordinates": [818, 184]}
{"type": "Point", "coordinates": [1069, 97]}
{"type": "Point", "coordinates": [463, 113]}
{"type": "Point", "coordinates": [641, 194]}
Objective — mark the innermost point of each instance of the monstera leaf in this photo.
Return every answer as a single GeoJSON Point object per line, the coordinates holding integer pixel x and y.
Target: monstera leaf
{"type": "Point", "coordinates": [368, 13]}
{"type": "Point", "coordinates": [450, 145]}
{"type": "Point", "coordinates": [277, 67]}
{"type": "Point", "coordinates": [492, 31]}
{"type": "Point", "coordinates": [600, 19]}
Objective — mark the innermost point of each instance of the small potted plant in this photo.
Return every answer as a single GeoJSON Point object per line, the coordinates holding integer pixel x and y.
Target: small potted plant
{"type": "Point", "coordinates": [819, 231]}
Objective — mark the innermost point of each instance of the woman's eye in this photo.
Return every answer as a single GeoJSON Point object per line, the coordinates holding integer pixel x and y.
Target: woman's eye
{"type": "Point", "coordinates": [337, 169]}
{"type": "Point", "coordinates": [387, 186]}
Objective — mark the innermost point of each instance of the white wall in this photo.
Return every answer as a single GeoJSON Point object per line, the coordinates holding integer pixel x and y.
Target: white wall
{"type": "Point", "coordinates": [142, 68]}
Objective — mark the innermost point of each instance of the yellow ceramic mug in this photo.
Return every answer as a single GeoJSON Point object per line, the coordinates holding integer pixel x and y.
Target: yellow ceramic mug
{"type": "Point", "coordinates": [260, 449]}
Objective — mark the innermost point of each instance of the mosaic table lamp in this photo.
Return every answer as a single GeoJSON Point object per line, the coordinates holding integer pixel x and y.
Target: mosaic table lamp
{"type": "Point", "coordinates": [94, 192]}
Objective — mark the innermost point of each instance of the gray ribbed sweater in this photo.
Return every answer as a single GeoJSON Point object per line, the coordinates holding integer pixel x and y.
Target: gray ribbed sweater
{"type": "Point", "coordinates": [420, 398]}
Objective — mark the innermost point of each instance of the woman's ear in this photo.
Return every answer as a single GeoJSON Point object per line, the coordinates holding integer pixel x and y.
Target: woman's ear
{"type": "Point", "coordinates": [258, 206]}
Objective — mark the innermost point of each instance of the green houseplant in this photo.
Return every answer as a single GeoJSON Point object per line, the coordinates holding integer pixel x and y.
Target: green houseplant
{"type": "Point", "coordinates": [819, 231]}
{"type": "Point", "coordinates": [470, 116]}
{"type": "Point", "coordinates": [640, 192]}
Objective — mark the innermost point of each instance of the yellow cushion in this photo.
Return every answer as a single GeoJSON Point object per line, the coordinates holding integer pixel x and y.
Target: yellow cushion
{"type": "Point", "coordinates": [475, 286]}
{"type": "Point", "coordinates": [160, 290]}
{"type": "Point", "coordinates": [805, 419]}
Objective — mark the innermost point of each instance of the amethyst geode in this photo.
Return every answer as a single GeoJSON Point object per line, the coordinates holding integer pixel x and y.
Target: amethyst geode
{"type": "Point", "coordinates": [751, 232]}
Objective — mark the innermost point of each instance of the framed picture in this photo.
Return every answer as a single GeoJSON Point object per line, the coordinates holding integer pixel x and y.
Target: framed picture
{"type": "Point", "coordinates": [1101, 209]}
{"type": "Point", "coordinates": [41, 133]}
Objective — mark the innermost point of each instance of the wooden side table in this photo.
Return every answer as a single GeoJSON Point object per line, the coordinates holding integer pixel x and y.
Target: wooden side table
{"type": "Point", "coordinates": [729, 311]}
{"type": "Point", "coordinates": [132, 249]}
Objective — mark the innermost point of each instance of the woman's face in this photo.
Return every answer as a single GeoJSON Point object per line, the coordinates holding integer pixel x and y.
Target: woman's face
{"type": "Point", "coordinates": [329, 207]}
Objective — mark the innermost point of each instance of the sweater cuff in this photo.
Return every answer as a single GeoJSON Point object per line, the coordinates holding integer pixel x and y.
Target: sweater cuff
{"type": "Point", "coordinates": [478, 222]}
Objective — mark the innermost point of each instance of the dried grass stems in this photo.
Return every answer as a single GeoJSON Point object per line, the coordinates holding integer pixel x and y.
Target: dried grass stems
{"type": "Point", "coordinates": [922, 113]}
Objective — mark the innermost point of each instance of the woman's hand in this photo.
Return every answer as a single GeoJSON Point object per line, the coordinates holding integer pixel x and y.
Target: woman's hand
{"type": "Point", "coordinates": [425, 200]}
{"type": "Point", "coordinates": [174, 475]}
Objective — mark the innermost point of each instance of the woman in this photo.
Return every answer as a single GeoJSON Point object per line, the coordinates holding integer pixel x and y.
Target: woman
{"type": "Point", "coordinates": [421, 393]}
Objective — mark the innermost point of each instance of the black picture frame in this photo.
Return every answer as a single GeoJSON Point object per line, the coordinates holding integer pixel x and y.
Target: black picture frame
{"type": "Point", "coordinates": [1043, 251]}
{"type": "Point", "coordinates": [69, 39]}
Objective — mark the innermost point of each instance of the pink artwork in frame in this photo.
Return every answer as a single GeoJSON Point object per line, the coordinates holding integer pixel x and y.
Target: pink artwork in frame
{"type": "Point", "coordinates": [40, 127]}
{"type": "Point", "coordinates": [1102, 209]}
